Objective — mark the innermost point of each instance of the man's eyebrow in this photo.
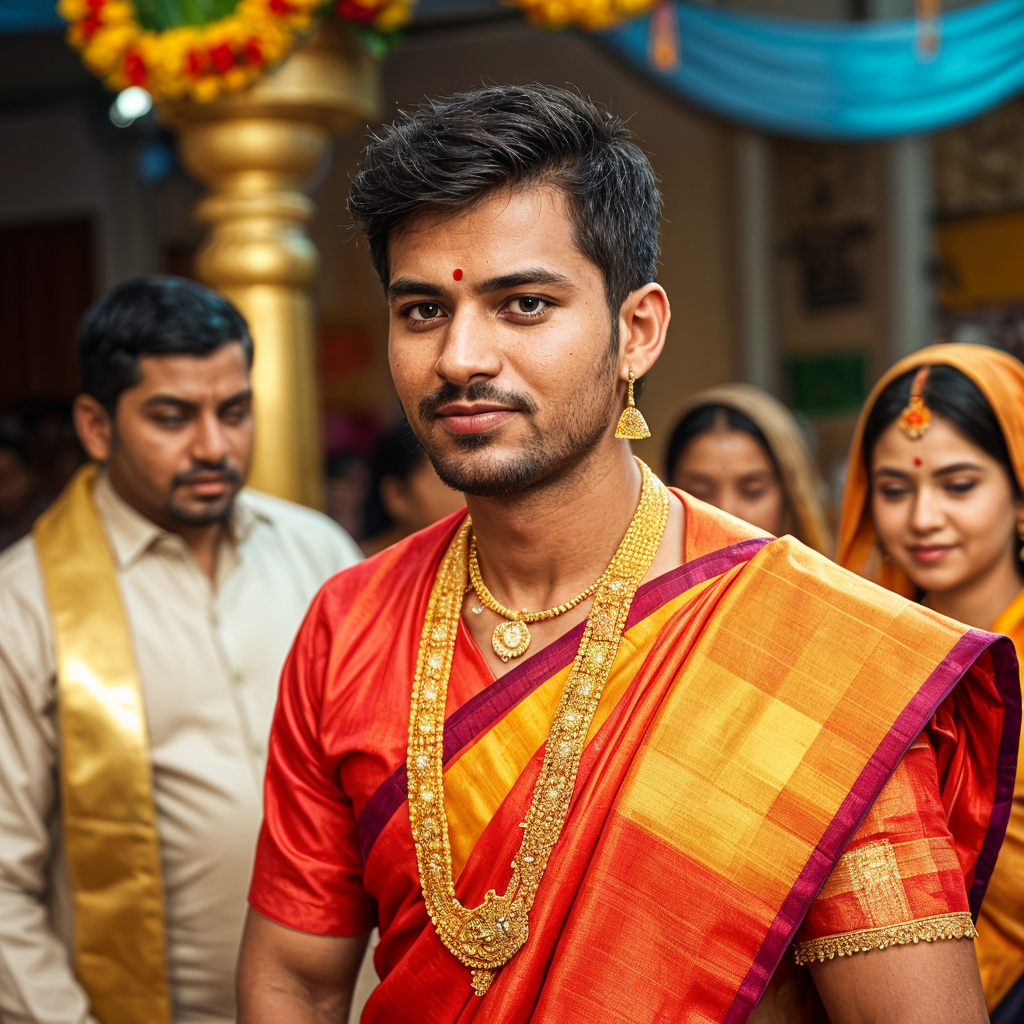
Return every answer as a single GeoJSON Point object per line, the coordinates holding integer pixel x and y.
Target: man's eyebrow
{"type": "Point", "coordinates": [404, 286]}
{"type": "Point", "coordinates": [180, 403]}
{"type": "Point", "coordinates": [242, 396]}
{"type": "Point", "coordinates": [532, 275]}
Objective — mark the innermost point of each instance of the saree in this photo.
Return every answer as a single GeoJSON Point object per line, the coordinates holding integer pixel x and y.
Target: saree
{"type": "Point", "coordinates": [760, 701]}
{"type": "Point", "coordinates": [1000, 377]}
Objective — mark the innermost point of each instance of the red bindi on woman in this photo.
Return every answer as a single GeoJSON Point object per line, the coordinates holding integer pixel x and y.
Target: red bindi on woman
{"type": "Point", "coordinates": [917, 461]}
{"type": "Point", "coordinates": [457, 274]}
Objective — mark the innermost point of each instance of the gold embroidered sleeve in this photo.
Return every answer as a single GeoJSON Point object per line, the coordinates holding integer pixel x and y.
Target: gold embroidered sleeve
{"type": "Point", "coordinates": [899, 881]}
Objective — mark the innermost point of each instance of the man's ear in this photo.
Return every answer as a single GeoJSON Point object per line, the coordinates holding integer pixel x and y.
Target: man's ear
{"type": "Point", "coordinates": [643, 323]}
{"type": "Point", "coordinates": [93, 426]}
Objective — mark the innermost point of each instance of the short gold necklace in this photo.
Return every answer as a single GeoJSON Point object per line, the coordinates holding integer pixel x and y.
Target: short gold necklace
{"type": "Point", "coordinates": [512, 638]}
{"type": "Point", "coordinates": [489, 935]}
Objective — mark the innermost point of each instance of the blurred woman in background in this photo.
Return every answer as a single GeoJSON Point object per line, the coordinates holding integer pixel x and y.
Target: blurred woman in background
{"type": "Point", "coordinates": [934, 509]}
{"type": "Point", "coordinates": [405, 493]}
{"type": "Point", "coordinates": [739, 449]}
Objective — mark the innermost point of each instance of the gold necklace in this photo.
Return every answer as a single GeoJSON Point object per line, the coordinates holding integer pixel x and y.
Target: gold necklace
{"type": "Point", "coordinates": [512, 638]}
{"type": "Point", "coordinates": [489, 935]}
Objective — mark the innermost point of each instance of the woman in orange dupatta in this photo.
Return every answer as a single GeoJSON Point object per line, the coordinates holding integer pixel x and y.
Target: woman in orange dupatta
{"type": "Point", "coordinates": [934, 510]}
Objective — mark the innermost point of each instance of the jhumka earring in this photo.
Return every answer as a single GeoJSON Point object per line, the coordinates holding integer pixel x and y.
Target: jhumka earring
{"type": "Point", "coordinates": [632, 426]}
{"type": "Point", "coordinates": [916, 417]}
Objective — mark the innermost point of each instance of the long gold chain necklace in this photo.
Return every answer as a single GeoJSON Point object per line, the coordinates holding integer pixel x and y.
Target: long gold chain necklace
{"type": "Point", "coordinates": [512, 638]}
{"type": "Point", "coordinates": [489, 935]}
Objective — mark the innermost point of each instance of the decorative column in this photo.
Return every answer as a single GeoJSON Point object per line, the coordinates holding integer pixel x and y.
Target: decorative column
{"type": "Point", "coordinates": [255, 150]}
{"type": "Point", "coordinates": [759, 356]}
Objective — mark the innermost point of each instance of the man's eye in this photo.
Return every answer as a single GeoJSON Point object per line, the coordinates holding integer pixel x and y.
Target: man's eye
{"type": "Point", "coordinates": [170, 420]}
{"type": "Point", "coordinates": [425, 311]}
{"type": "Point", "coordinates": [527, 305]}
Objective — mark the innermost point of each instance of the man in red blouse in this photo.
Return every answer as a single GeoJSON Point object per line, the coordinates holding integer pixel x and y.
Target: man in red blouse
{"type": "Point", "coordinates": [598, 751]}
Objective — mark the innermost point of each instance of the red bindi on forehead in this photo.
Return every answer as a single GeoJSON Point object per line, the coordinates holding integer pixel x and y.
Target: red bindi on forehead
{"type": "Point", "coordinates": [457, 274]}
{"type": "Point", "coordinates": [917, 461]}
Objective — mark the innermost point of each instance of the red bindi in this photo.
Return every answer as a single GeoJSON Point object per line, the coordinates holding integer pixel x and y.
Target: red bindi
{"type": "Point", "coordinates": [917, 462]}
{"type": "Point", "coordinates": [457, 274]}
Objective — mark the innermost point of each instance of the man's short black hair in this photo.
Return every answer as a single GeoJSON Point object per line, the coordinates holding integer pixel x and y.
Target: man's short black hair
{"type": "Point", "coordinates": [451, 153]}
{"type": "Point", "coordinates": [152, 316]}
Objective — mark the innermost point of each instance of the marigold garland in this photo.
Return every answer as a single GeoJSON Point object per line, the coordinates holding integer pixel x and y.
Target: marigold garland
{"type": "Point", "coordinates": [591, 15]}
{"type": "Point", "coordinates": [201, 62]}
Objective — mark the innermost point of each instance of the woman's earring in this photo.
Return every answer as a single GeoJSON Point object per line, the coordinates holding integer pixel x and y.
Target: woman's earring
{"type": "Point", "coordinates": [883, 552]}
{"type": "Point", "coordinates": [1020, 535]}
{"type": "Point", "coordinates": [632, 426]}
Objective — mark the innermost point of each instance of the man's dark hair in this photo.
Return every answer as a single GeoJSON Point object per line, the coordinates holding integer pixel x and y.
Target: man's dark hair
{"type": "Point", "coordinates": [451, 153]}
{"type": "Point", "coordinates": [397, 453]}
{"type": "Point", "coordinates": [152, 316]}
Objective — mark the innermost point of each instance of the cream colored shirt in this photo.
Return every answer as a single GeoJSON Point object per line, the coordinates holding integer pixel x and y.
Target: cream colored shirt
{"type": "Point", "coordinates": [209, 655]}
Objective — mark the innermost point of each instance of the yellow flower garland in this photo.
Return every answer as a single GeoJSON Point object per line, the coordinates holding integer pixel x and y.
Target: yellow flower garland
{"type": "Point", "coordinates": [201, 62]}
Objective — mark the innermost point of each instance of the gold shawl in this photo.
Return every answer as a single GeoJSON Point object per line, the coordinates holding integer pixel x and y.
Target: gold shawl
{"type": "Point", "coordinates": [106, 784]}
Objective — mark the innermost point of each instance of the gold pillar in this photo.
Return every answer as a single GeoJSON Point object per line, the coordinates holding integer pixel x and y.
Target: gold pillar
{"type": "Point", "coordinates": [255, 150]}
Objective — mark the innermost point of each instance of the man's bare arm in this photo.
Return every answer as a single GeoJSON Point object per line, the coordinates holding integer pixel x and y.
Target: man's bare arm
{"type": "Point", "coordinates": [927, 983]}
{"type": "Point", "coordinates": [290, 977]}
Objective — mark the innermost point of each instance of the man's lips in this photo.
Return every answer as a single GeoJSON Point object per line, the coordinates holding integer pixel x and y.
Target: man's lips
{"type": "Point", "coordinates": [475, 418]}
{"type": "Point", "coordinates": [208, 486]}
{"type": "Point", "coordinates": [930, 553]}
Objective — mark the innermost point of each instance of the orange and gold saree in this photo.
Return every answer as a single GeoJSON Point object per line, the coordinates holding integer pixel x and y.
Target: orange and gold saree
{"type": "Point", "coordinates": [1000, 377]}
{"type": "Point", "coordinates": [759, 703]}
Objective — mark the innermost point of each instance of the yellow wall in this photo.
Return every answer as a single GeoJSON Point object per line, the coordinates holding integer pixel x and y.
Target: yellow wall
{"type": "Point", "coordinates": [981, 259]}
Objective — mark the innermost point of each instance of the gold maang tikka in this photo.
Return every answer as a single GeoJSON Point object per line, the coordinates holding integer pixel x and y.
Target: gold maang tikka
{"type": "Point", "coordinates": [916, 417]}
{"type": "Point", "coordinates": [632, 426]}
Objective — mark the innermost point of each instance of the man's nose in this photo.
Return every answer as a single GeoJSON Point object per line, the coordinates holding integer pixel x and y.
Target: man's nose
{"type": "Point", "coordinates": [210, 443]}
{"type": "Point", "coordinates": [470, 347]}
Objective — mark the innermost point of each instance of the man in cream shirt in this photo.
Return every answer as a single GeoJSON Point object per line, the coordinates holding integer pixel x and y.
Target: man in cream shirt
{"type": "Point", "coordinates": [213, 582]}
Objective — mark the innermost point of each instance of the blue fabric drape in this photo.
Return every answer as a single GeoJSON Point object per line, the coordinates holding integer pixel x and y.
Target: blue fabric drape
{"type": "Point", "coordinates": [838, 80]}
{"type": "Point", "coordinates": [29, 16]}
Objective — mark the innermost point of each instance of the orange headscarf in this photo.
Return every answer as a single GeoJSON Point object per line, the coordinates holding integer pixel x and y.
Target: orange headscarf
{"type": "Point", "coordinates": [1000, 378]}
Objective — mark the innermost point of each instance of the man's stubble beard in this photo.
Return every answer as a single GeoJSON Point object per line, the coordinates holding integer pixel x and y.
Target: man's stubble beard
{"type": "Point", "coordinates": [542, 457]}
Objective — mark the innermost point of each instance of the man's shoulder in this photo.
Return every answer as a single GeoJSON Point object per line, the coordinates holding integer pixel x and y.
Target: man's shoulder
{"type": "Point", "coordinates": [305, 530]}
{"type": "Point", "coordinates": [21, 578]}
{"type": "Point", "coordinates": [399, 572]}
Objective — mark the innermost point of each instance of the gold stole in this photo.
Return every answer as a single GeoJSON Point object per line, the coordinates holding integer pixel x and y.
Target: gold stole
{"type": "Point", "coordinates": [106, 782]}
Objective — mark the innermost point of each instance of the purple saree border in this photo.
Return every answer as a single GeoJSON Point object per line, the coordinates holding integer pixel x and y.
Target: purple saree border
{"type": "Point", "coordinates": [872, 779]}
{"type": "Point", "coordinates": [481, 711]}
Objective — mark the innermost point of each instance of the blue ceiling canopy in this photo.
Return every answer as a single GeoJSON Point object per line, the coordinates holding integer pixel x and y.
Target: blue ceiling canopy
{"type": "Point", "coordinates": [837, 80]}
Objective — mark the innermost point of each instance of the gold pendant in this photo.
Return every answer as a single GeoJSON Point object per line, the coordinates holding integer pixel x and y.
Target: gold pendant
{"type": "Point", "coordinates": [482, 982]}
{"type": "Point", "coordinates": [510, 639]}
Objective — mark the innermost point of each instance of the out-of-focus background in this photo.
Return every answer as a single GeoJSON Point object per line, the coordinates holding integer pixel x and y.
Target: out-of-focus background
{"type": "Point", "coordinates": [803, 259]}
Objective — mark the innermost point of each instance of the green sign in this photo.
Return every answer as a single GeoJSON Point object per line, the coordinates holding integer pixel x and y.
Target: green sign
{"type": "Point", "coordinates": [826, 385]}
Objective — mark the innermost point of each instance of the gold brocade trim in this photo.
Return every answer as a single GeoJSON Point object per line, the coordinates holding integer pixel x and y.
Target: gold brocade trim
{"type": "Point", "coordinates": [486, 937]}
{"type": "Point", "coordinates": [925, 929]}
{"type": "Point", "coordinates": [109, 820]}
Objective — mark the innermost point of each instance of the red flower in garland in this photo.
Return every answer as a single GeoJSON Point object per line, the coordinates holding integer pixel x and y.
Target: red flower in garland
{"type": "Point", "coordinates": [134, 68]}
{"type": "Point", "coordinates": [222, 56]}
{"type": "Point", "coordinates": [254, 53]}
{"type": "Point", "coordinates": [195, 64]}
{"type": "Point", "coordinates": [355, 12]}
{"type": "Point", "coordinates": [280, 7]}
